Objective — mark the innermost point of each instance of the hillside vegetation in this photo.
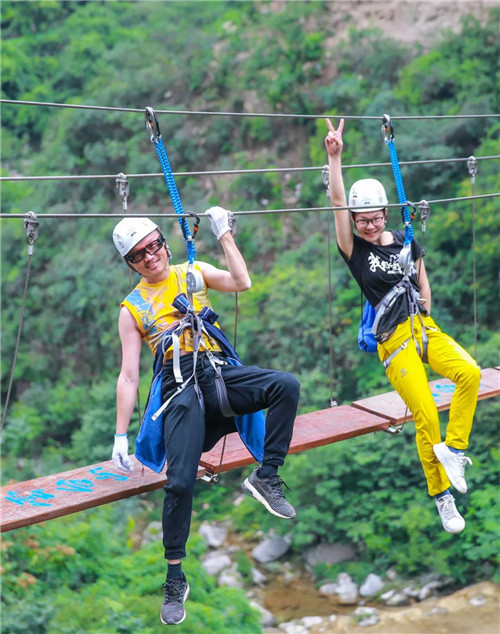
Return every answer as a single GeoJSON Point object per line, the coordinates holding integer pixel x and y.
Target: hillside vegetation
{"type": "Point", "coordinates": [232, 57]}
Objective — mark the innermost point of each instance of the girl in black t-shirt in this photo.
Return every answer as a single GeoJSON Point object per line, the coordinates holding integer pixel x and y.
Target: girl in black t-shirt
{"type": "Point", "coordinates": [372, 256]}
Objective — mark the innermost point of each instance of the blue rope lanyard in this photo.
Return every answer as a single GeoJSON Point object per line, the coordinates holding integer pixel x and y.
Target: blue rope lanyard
{"type": "Point", "coordinates": [154, 128]}
{"type": "Point", "coordinates": [388, 133]}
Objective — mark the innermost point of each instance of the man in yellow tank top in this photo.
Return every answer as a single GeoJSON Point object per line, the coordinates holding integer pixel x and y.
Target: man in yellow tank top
{"type": "Point", "coordinates": [193, 420]}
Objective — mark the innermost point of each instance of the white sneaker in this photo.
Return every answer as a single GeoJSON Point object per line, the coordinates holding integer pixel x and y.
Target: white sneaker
{"type": "Point", "coordinates": [453, 522]}
{"type": "Point", "coordinates": [454, 465]}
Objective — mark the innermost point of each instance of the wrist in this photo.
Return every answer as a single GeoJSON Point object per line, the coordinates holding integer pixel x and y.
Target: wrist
{"type": "Point", "coordinates": [121, 435]}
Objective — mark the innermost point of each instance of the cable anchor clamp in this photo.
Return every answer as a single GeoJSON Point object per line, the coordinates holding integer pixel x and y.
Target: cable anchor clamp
{"type": "Point", "coordinates": [394, 429]}
{"type": "Point", "coordinates": [232, 223]}
{"type": "Point", "coordinates": [152, 124]}
{"type": "Point", "coordinates": [325, 175]}
{"type": "Point", "coordinates": [387, 129]}
{"type": "Point", "coordinates": [472, 166]}
{"type": "Point", "coordinates": [123, 188]}
{"type": "Point", "coordinates": [31, 226]}
{"type": "Point", "coordinates": [424, 212]}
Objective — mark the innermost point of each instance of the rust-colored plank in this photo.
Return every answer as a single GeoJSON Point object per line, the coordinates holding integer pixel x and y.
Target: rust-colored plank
{"type": "Point", "coordinates": [33, 501]}
{"type": "Point", "coordinates": [310, 430]}
{"type": "Point", "coordinates": [391, 405]}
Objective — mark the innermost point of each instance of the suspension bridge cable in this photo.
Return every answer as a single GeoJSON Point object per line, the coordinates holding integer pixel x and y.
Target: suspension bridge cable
{"type": "Point", "coordinates": [263, 170]}
{"type": "Point", "coordinates": [249, 212]}
{"type": "Point", "coordinates": [18, 102]}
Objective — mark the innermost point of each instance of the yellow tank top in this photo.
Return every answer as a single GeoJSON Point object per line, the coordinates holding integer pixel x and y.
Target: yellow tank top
{"type": "Point", "coordinates": [151, 307]}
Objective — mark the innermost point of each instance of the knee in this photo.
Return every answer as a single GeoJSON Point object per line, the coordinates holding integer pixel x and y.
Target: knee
{"type": "Point", "coordinates": [469, 374]}
{"type": "Point", "coordinates": [178, 486]}
{"type": "Point", "coordinates": [290, 383]}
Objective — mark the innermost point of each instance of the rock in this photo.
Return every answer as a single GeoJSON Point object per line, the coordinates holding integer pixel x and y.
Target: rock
{"type": "Point", "coordinates": [372, 585]}
{"type": "Point", "coordinates": [424, 593]}
{"type": "Point", "coordinates": [347, 590]}
{"type": "Point", "coordinates": [152, 533]}
{"type": "Point", "coordinates": [214, 535]}
{"type": "Point", "coordinates": [311, 621]}
{"type": "Point", "coordinates": [270, 549]}
{"type": "Point", "coordinates": [329, 588]}
{"type": "Point", "coordinates": [292, 627]}
{"type": "Point", "coordinates": [391, 574]}
{"type": "Point", "coordinates": [231, 578]}
{"type": "Point", "coordinates": [267, 619]}
{"type": "Point", "coordinates": [216, 563]}
{"type": "Point", "coordinates": [370, 616]}
{"type": "Point", "coordinates": [478, 599]}
{"type": "Point", "coordinates": [387, 595]}
{"type": "Point", "coordinates": [258, 578]}
{"type": "Point", "coordinates": [329, 554]}
{"type": "Point", "coordinates": [398, 598]}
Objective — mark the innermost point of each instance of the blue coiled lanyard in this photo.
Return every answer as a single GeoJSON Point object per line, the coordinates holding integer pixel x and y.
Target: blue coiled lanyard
{"type": "Point", "coordinates": [194, 280]}
{"type": "Point", "coordinates": [405, 255]}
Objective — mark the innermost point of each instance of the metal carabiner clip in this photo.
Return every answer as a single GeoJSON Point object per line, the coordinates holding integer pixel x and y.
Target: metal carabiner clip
{"type": "Point", "coordinates": [152, 124]}
{"type": "Point", "coordinates": [387, 129]}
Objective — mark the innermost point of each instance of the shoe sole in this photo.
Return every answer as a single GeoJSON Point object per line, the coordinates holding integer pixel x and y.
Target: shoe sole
{"type": "Point", "coordinates": [454, 532]}
{"type": "Point", "coordinates": [186, 595]}
{"type": "Point", "coordinates": [249, 489]}
{"type": "Point", "coordinates": [441, 456]}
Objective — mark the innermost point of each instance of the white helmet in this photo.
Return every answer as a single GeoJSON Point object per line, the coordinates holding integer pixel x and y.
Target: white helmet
{"type": "Point", "coordinates": [130, 231]}
{"type": "Point", "coordinates": [369, 193]}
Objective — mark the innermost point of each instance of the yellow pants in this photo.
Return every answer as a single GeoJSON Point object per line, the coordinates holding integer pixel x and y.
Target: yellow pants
{"type": "Point", "coordinates": [407, 375]}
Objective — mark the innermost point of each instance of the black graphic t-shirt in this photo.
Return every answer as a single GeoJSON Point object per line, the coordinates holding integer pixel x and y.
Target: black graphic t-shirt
{"type": "Point", "coordinates": [376, 269]}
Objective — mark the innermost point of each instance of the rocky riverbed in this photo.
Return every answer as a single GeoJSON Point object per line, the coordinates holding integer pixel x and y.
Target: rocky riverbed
{"type": "Point", "coordinates": [282, 588]}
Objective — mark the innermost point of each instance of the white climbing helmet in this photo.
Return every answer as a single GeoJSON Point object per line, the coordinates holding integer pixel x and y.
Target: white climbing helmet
{"type": "Point", "coordinates": [368, 193]}
{"type": "Point", "coordinates": [130, 231]}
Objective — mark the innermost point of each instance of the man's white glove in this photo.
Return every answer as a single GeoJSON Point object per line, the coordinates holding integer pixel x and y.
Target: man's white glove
{"type": "Point", "coordinates": [120, 453]}
{"type": "Point", "coordinates": [220, 220]}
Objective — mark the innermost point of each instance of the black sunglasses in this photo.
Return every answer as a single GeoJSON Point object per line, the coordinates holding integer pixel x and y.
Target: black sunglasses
{"type": "Point", "coordinates": [151, 249]}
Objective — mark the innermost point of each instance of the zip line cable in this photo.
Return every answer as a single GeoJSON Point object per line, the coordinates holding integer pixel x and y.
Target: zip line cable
{"type": "Point", "coordinates": [250, 212]}
{"type": "Point", "coordinates": [263, 170]}
{"type": "Point", "coordinates": [241, 114]}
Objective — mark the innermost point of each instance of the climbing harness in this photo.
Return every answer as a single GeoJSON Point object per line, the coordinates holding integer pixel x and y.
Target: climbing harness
{"type": "Point", "coordinates": [149, 446]}
{"type": "Point", "coordinates": [31, 226]}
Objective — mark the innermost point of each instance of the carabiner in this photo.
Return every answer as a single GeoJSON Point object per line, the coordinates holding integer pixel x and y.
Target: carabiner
{"type": "Point", "coordinates": [412, 209]}
{"type": "Point", "coordinates": [387, 129]}
{"type": "Point", "coordinates": [196, 225]}
{"type": "Point", "coordinates": [152, 124]}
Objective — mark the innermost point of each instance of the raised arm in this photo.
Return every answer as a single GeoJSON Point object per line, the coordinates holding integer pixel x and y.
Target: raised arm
{"type": "Point", "coordinates": [236, 278]}
{"type": "Point", "coordinates": [343, 227]}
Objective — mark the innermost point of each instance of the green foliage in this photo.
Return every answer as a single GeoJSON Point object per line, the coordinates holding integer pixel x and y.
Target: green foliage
{"type": "Point", "coordinates": [117, 590]}
{"type": "Point", "coordinates": [256, 57]}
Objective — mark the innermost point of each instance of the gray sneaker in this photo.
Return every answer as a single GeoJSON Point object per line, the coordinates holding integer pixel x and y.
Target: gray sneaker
{"type": "Point", "coordinates": [176, 593]}
{"type": "Point", "coordinates": [268, 492]}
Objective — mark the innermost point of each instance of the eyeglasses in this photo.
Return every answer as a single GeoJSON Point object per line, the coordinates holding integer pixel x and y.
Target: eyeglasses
{"type": "Point", "coordinates": [151, 249]}
{"type": "Point", "coordinates": [364, 222]}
